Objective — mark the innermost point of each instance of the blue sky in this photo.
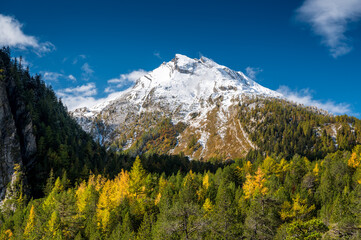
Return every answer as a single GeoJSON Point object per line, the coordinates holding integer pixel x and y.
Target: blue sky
{"type": "Point", "coordinates": [309, 49]}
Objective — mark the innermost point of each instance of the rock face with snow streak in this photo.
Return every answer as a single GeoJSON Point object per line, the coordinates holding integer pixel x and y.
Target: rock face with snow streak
{"type": "Point", "coordinates": [199, 93]}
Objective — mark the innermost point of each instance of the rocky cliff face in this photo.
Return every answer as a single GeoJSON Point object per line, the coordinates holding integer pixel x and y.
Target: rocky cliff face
{"type": "Point", "coordinates": [9, 143]}
{"type": "Point", "coordinates": [17, 141]}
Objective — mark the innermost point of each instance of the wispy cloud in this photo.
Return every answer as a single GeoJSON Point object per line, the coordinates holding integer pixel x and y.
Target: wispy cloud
{"type": "Point", "coordinates": [87, 71]}
{"type": "Point", "coordinates": [157, 54]}
{"type": "Point", "coordinates": [78, 58]}
{"type": "Point", "coordinates": [55, 77]}
{"type": "Point", "coordinates": [11, 35]}
{"type": "Point", "coordinates": [330, 20]}
{"type": "Point", "coordinates": [305, 97]}
{"type": "Point", "coordinates": [51, 76]}
{"type": "Point", "coordinates": [124, 80]}
{"type": "Point", "coordinates": [252, 72]}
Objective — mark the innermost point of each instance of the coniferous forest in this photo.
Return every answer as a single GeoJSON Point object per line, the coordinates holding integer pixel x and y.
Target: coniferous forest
{"type": "Point", "coordinates": [297, 184]}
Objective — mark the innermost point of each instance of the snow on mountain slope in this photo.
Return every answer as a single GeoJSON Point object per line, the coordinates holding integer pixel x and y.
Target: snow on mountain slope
{"type": "Point", "coordinates": [198, 92]}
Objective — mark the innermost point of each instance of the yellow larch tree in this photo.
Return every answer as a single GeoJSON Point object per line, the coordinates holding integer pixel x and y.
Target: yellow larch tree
{"type": "Point", "coordinates": [137, 177]}
{"type": "Point", "coordinates": [104, 206]}
{"type": "Point", "coordinates": [243, 171]}
{"type": "Point", "coordinates": [202, 191]}
{"type": "Point", "coordinates": [84, 191]}
{"type": "Point", "coordinates": [54, 226]}
{"type": "Point", "coordinates": [298, 209]}
{"type": "Point", "coordinates": [269, 165]}
{"type": "Point", "coordinates": [8, 234]}
{"type": "Point", "coordinates": [281, 168]}
{"type": "Point", "coordinates": [316, 170]}
{"type": "Point", "coordinates": [354, 161]}
{"type": "Point", "coordinates": [247, 168]}
{"type": "Point", "coordinates": [96, 181]}
{"type": "Point", "coordinates": [30, 224]}
{"type": "Point", "coordinates": [49, 202]}
{"type": "Point", "coordinates": [120, 188]}
{"type": "Point", "coordinates": [162, 185]}
{"type": "Point", "coordinates": [111, 196]}
{"type": "Point", "coordinates": [205, 181]}
{"type": "Point", "coordinates": [208, 206]}
{"type": "Point", "coordinates": [81, 197]}
{"type": "Point", "coordinates": [255, 185]}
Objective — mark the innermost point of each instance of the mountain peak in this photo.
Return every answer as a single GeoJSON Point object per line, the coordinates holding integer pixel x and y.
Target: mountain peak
{"type": "Point", "coordinates": [183, 60]}
{"type": "Point", "coordinates": [198, 92]}
{"type": "Point", "coordinates": [198, 78]}
{"type": "Point", "coordinates": [186, 85]}
{"type": "Point", "coordinates": [179, 56]}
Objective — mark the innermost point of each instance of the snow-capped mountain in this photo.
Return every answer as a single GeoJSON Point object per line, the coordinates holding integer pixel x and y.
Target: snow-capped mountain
{"type": "Point", "coordinates": [198, 93]}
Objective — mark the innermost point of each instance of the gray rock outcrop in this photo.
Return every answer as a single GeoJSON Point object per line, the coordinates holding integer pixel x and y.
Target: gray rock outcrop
{"type": "Point", "coordinates": [17, 141]}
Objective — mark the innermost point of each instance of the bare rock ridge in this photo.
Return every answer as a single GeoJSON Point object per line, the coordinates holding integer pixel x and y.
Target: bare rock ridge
{"type": "Point", "coordinates": [198, 93]}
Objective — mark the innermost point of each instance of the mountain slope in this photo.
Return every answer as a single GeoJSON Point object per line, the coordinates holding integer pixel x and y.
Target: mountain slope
{"type": "Point", "coordinates": [204, 110]}
{"type": "Point", "coordinates": [286, 129]}
{"type": "Point", "coordinates": [199, 93]}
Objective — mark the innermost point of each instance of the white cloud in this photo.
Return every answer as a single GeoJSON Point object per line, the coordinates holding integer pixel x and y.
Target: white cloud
{"type": "Point", "coordinates": [11, 35]}
{"type": "Point", "coordinates": [83, 96]}
{"type": "Point", "coordinates": [72, 78]}
{"type": "Point", "coordinates": [252, 72]}
{"type": "Point", "coordinates": [74, 102]}
{"type": "Point", "coordinates": [80, 96]}
{"type": "Point", "coordinates": [124, 80]}
{"type": "Point", "coordinates": [330, 19]}
{"type": "Point", "coordinates": [305, 97]}
{"type": "Point", "coordinates": [86, 95]}
{"type": "Point", "coordinates": [55, 77]}
{"type": "Point", "coordinates": [83, 90]}
{"type": "Point", "coordinates": [87, 71]}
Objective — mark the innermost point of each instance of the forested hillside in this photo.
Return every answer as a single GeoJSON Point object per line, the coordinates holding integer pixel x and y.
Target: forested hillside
{"type": "Point", "coordinates": [58, 143]}
{"type": "Point", "coordinates": [284, 128]}
{"type": "Point", "coordinates": [302, 180]}
{"type": "Point", "coordinates": [276, 199]}
{"type": "Point", "coordinates": [61, 144]}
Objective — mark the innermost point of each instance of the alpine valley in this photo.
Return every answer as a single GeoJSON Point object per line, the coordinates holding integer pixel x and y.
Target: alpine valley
{"type": "Point", "coordinates": [194, 150]}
